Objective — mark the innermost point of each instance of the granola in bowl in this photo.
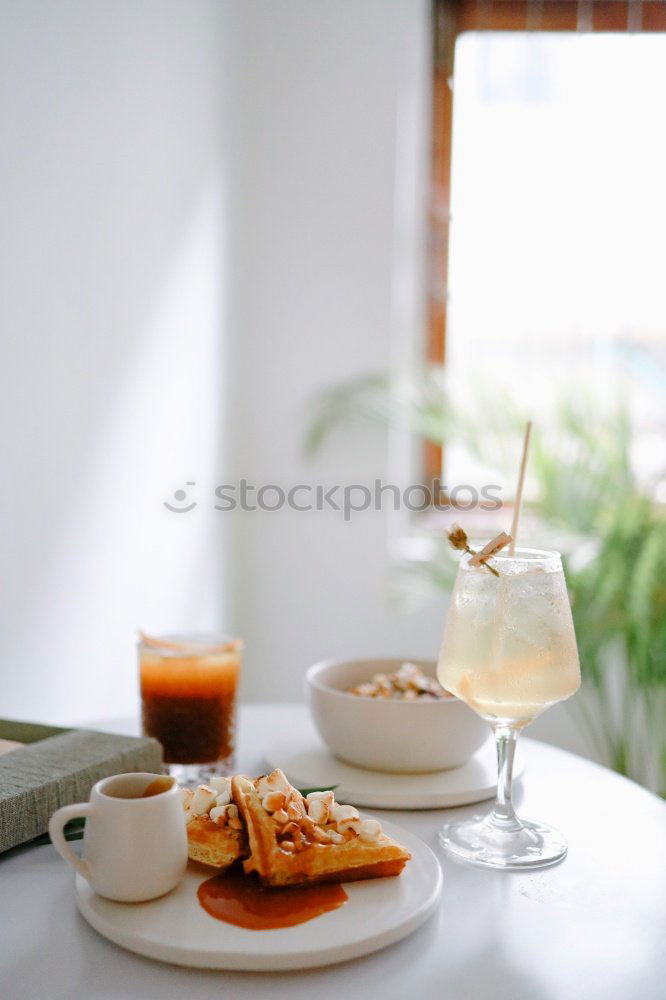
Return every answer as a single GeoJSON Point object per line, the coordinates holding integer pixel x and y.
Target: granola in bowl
{"type": "Point", "coordinates": [409, 683]}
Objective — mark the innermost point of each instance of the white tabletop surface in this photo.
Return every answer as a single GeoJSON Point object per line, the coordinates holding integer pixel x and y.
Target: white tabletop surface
{"type": "Point", "coordinates": [593, 927]}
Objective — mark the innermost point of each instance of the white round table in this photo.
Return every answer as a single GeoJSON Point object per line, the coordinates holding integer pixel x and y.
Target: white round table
{"type": "Point", "coordinates": [592, 927]}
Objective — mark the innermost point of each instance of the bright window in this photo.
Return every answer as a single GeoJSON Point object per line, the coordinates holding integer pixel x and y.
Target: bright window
{"type": "Point", "coordinates": [557, 266]}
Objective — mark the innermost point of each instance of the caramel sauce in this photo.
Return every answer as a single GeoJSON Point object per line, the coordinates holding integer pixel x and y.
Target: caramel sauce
{"type": "Point", "coordinates": [156, 787]}
{"type": "Point", "coordinates": [242, 900]}
{"type": "Point", "coordinates": [188, 704]}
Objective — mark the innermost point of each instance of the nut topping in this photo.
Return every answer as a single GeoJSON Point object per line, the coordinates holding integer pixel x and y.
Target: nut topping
{"type": "Point", "coordinates": [326, 797]}
{"type": "Point", "coordinates": [273, 801]}
{"type": "Point", "coordinates": [294, 836]}
{"type": "Point", "coordinates": [317, 819]}
{"type": "Point", "coordinates": [218, 814]}
{"type": "Point", "coordinates": [346, 825]}
{"type": "Point", "coordinates": [300, 822]}
{"type": "Point", "coordinates": [295, 811]}
{"type": "Point", "coordinates": [321, 836]}
{"type": "Point", "coordinates": [211, 801]}
{"type": "Point", "coordinates": [370, 831]}
{"type": "Point", "coordinates": [221, 785]}
{"type": "Point", "coordinates": [273, 782]}
{"type": "Point", "coordinates": [340, 813]}
{"type": "Point", "coordinates": [202, 800]}
{"type": "Point", "coordinates": [409, 683]}
{"type": "Point", "coordinates": [291, 829]}
{"type": "Point", "coordinates": [318, 811]}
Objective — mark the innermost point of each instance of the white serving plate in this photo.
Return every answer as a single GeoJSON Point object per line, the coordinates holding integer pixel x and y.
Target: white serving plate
{"type": "Point", "coordinates": [308, 763]}
{"type": "Point", "coordinates": [177, 929]}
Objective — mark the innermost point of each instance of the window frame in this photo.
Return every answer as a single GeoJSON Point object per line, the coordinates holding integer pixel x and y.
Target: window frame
{"type": "Point", "coordinates": [450, 19]}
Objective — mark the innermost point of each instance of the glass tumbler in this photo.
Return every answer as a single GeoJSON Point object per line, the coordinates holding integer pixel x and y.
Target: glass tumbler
{"type": "Point", "coordinates": [188, 701]}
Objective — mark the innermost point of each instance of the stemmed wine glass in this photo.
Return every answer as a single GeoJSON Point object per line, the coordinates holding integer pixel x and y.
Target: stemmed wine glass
{"type": "Point", "coordinates": [509, 651]}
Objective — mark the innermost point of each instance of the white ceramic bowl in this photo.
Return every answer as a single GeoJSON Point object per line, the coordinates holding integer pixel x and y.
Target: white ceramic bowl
{"type": "Point", "coordinates": [388, 734]}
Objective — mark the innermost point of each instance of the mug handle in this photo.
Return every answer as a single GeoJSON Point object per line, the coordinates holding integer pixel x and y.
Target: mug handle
{"type": "Point", "coordinates": [56, 833]}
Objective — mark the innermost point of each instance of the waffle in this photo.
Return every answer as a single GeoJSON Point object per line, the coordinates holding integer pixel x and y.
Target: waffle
{"type": "Point", "coordinates": [294, 840]}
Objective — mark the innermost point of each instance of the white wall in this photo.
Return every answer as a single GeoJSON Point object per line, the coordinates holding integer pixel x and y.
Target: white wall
{"type": "Point", "coordinates": [112, 181]}
{"type": "Point", "coordinates": [332, 97]}
{"type": "Point", "coordinates": [199, 234]}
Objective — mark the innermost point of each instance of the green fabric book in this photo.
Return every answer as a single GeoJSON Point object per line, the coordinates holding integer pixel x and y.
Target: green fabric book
{"type": "Point", "coordinates": [45, 767]}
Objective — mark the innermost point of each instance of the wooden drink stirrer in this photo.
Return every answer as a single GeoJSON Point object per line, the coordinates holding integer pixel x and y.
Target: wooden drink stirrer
{"type": "Point", "coordinates": [503, 596]}
{"type": "Point", "coordinates": [518, 503]}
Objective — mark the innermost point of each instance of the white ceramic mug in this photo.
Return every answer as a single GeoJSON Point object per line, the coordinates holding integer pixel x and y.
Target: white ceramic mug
{"type": "Point", "coordinates": [134, 847]}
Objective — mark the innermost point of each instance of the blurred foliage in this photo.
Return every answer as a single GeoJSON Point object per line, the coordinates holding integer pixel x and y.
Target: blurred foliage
{"type": "Point", "coordinates": [613, 541]}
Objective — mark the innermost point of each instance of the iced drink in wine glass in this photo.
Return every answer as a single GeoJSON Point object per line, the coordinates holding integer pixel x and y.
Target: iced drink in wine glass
{"type": "Point", "coordinates": [509, 651]}
{"type": "Point", "coordinates": [188, 698]}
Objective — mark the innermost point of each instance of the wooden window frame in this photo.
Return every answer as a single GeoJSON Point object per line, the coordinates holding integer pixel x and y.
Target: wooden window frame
{"type": "Point", "coordinates": [450, 19]}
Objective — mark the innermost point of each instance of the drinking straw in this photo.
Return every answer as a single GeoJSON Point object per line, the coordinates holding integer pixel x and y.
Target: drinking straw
{"type": "Point", "coordinates": [518, 502]}
{"type": "Point", "coordinates": [180, 647]}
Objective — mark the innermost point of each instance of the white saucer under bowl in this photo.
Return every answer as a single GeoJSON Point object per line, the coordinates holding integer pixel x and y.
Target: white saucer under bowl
{"type": "Point", "coordinates": [308, 763]}
{"type": "Point", "coordinates": [177, 929]}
